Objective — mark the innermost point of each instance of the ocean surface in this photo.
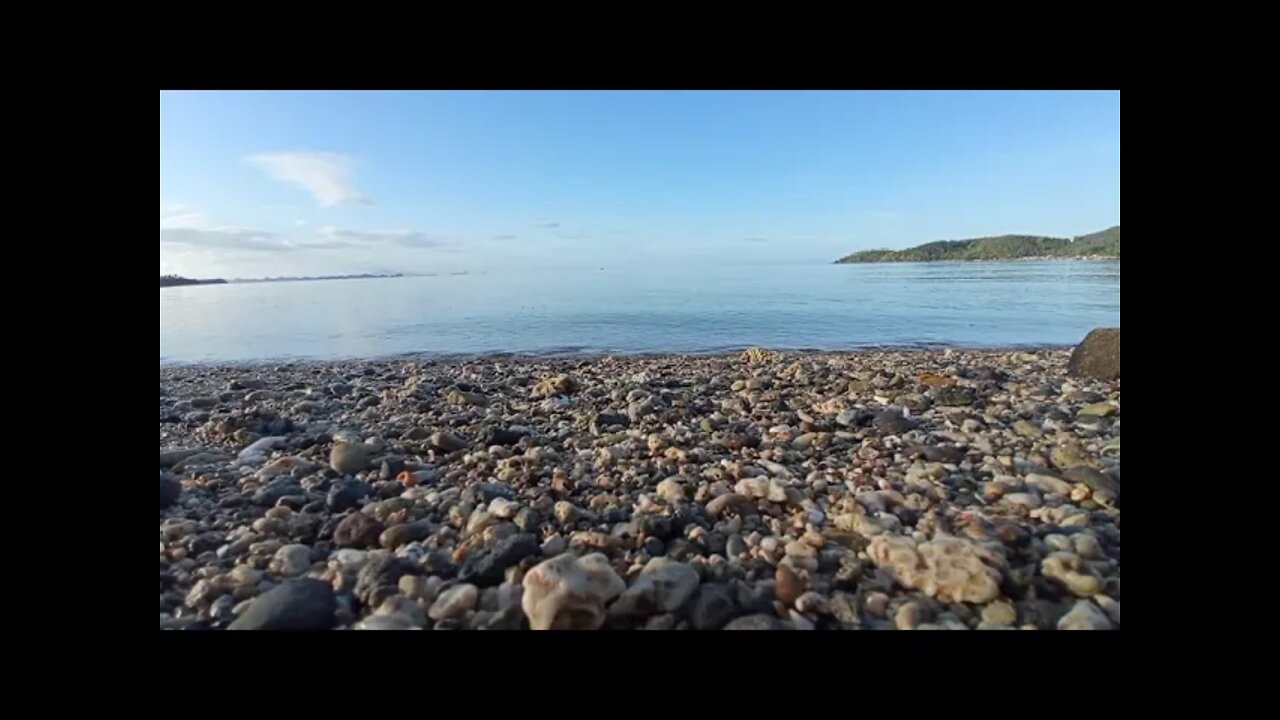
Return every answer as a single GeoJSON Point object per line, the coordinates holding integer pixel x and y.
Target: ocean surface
{"type": "Point", "coordinates": [644, 309]}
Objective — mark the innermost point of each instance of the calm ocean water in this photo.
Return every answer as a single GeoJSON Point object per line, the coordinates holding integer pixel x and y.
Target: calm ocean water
{"type": "Point", "coordinates": [974, 304]}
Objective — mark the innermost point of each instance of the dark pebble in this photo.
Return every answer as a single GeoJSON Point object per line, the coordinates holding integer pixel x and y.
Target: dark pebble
{"type": "Point", "coordinates": [303, 604]}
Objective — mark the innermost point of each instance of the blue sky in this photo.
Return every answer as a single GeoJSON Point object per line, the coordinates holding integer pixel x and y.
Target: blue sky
{"type": "Point", "coordinates": [293, 183]}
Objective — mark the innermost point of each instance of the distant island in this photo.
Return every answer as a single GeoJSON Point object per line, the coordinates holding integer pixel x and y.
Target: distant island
{"type": "Point", "coordinates": [175, 280]}
{"type": "Point", "coordinates": [365, 276]}
{"type": "Point", "coordinates": [1105, 244]}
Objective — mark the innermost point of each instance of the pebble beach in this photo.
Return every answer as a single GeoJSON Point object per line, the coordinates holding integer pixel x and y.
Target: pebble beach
{"type": "Point", "coordinates": [871, 490]}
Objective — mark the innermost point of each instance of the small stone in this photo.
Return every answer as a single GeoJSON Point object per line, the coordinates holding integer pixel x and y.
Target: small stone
{"type": "Point", "coordinates": [713, 606]}
{"type": "Point", "coordinates": [1100, 410]}
{"type": "Point", "coordinates": [812, 602]}
{"type": "Point", "coordinates": [503, 508]}
{"type": "Point", "coordinates": [876, 603]}
{"type": "Point", "coordinates": [170, 490]}
{"type": "Point", "coordinates": [350, 458]}
{"type": "Point", "coordinates": [949, 568]}
{"type": "Point", "coordinates": [387, 622]}
{"type": "Point", "coordinates": [302, 604]}
{"type": "Point", "coordinates": [1068, 569]}
{"type": "Point", "coordinates": [789, 585]}
{"type": "Point", "coordinates": [662, 586]}
{"type": "Point", "coordinates": [1085, 616]}
{"type": "Point", "coordinates": [1027, 429]}
{"type": "Point", "coordinates": [454, 602]}
{"type": "Point", "coordinates": [731, 502]}
{"type": "Point", "coordinates": [447, 441]}
{"type": "Point", "coordinates": [1109, 606]}
{"type": "Point", "coordinates": [999, 613]}
{"type": "Point", "coordinates": [892, 422]}
{"type": "Point", "coordinates": [397, 535]}
{"type": "Point", "coordinates": [403, 606]}
{"type": "Point", "coordinates": [671, 490]}
{"type": "Point", "coordinates": [554, 545]}
{"type": "Point", "coordinates": [569, 593]}
{"type": "Point", "coordinates": [1026, 500]}
{"type": "Point", "coordinates": [754, 622]}
{"type": "Point", "coordinates": [346, 494]}
{"type": "Point", "coordinates": [908, 616]}
{"type": "Point", "coordinates": [1048, 484]}
{"type": "Point", "coordinates": [357, 530]}
{"type": "Point", "coordinates": [292, 560]}
{"type": "Point", "coordinates": [1094, 478]}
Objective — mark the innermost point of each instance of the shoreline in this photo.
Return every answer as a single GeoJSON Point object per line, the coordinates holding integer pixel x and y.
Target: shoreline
{"type": "Point", "coordinates": [816, 490]}
{"type": "Point", "coordinates": [592, 355]}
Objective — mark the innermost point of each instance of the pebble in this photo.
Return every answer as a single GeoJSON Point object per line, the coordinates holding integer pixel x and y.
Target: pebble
{"type": "Point", "coordinates": [292, 560]}
{"type": "Point", "coordinates": [999, 613]}
{"type": "Point", "coordinates": [569, 593]}
{"type": "Point", "coordinates": [876, 603]}
{"type": "Point", "coordinates": [1085, 615]}
{"type": "Point", "coordinates": [302, 604]}
{"type": "Point", "coordinates": [662, 586]}
{"type": "Point", "coordinates": [454, 602]}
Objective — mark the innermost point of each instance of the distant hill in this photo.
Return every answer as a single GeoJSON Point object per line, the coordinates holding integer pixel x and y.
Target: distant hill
{"type": "Point", "coordinates": [174, 280]}
{"type": "Point", "coordinates": [1105, 244]}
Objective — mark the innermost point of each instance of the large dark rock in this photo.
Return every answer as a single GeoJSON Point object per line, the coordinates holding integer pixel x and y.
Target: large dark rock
{"type": "Point", "coordinates": [892, 422]}
{"type": "Point", "coordinates": [1097, 356]}
{"type": "Point", "coordinates": [170, 489]}
{"type": "Point", "coordinates": [357, 530]}
{"type": "Point", "coordinates": [303, 604]}
{"type": "Point", "coordinates": [346, 494]}
{"type": "Point", "coordinates": [488, 567]}
{"type": "Point", "coordinates": [283, 486]}
{"type": "Point", "coordinates": [713, 606]}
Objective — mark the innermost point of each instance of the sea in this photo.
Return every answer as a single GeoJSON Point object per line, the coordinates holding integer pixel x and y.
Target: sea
{"type": "Point", "coordinates": [644, 309]}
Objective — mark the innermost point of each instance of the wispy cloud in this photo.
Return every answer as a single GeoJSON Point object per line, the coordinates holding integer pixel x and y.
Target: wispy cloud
{"type": "Point", "coordinates": [327, 176]}
{"type": "Point", "coordinates": [224, 238]}
{"type": "Point", "coordinates": [504, 237]}
{"type": "Point", "coordinates": [403, 238]}
{"type": "Point", "coordinates": [755, 240]}
{"type": "Point", "coordinates": [548, 224]}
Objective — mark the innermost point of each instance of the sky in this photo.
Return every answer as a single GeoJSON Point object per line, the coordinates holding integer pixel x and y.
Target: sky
{"type": "Point", "coordinates": [258, 184]}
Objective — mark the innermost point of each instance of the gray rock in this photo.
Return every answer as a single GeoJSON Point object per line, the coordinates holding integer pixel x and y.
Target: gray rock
{"type": "Point", "coordinates": [447, 441]}
{"type": "Point", "coordinates": [303, 604]}
{"type": "Point", "coordinates": [1095, 479]}
{"type": "Point", "coordinates": [346, 494]}
{"type": "Point", "coordinates": [350, 458]}
{"type": "Point", "coordinates": [381, 572]}
{"type": "Point", "coordinates": [170, 490]}
{"type": "Point", "coordinates": [713, 606]}
{"type": "Point", "coordinates": [357, 530]}
{"type": "Point", "coordinates": [387, 622]}
{"type": "Point", "coordinates": [454, 602]}
{"type": "Point", "coordinates": [662, 586]}
{"type": "Point", "coordinates": [282, 486]}
{"type": "Point", "coordinates": [892, 422]}
{"type": "Point", "coordinates": [755, 622]}
{"type": "Point", "coordinates": [488, 567]}
{"type": "Point", "coordinates": [1085, 616]}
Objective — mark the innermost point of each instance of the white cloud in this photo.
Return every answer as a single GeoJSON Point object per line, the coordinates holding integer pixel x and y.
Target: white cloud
{"type": "Point", "coordinates": [299, 223]}
{"type": "Point", "coordinates": [327, 176]}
